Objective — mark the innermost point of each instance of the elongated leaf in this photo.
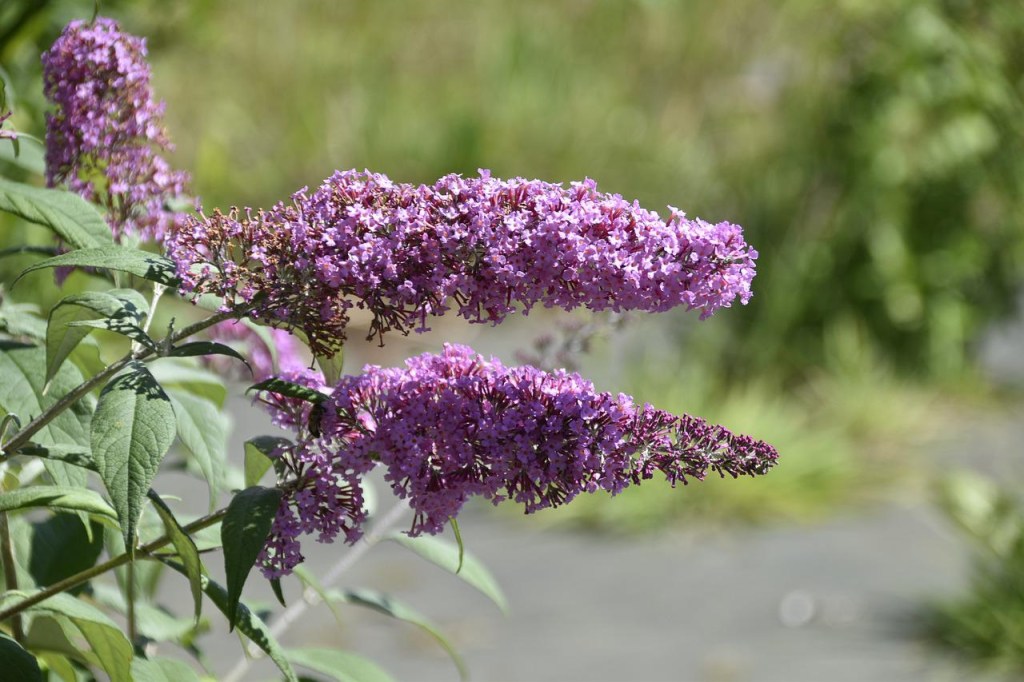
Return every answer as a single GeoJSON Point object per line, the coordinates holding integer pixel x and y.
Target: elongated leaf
{"type": "Point", "coordinates": [120, 310]}
{"type": "Point", "coordinates": [162, 670]}
{"type": "Point", "coordinates": [203, 430]}
{"type": "Point", "coordinates": [110, 646]}
{"type": "Point", "coordinates": [21, 392]}
{"type": "Point", "coordinates": [187, 552]}
{"type": "Point", "coordinates": [389, 606]}
{"type": "Point", "coordinates": [244, 532]}
{"type": "Point", "coordinates": [31, 159]}
{"type": "Point", "coordinates": [331, 367]}
{"type": "Point", "coordinates": [177, 374]}
{"type": "Point", "coordinates": [60, 666]}
{"type": "Point", "coordinates": [131, 432]}
{"type": "Point", "coordinates": [311, 582]}
{"type": "Point", "coordinates": [247, 622]}
{"type": "Point", "coordinates": [70, 216]}
{"type": "Point", "coordinates": [195, 348]}
{"type": "Point", "coordinates": [343, 666]}
{"type": "Point", "coordinates": [59, 547]}
{"type": "Point", "coordinates": [139, 263]}
{"type": "Point", "coordinates": [17, 663]}
{"type": "Point", "coordinates": [66, 475]}
{"type": "Point", "coordinates": [75, 455]}
{"type": "Point", "coordinates": [290, 389]}
{"type": "Point", "coordinates": [55, 633]}
{"type": "Point", "coordinates": [447, 556]}
{"type": "Point", "coordinates": [58, 498]}
{"type": "Point", "coordinates": [67, 465]}
{"type": "Point", "coordinates": [258, 452]}
{"type": "Point", "coordinates": [151, 620]}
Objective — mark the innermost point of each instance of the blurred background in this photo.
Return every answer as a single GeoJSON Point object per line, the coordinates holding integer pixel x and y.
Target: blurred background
{"type": "Point", "coordinates": [873, 150]}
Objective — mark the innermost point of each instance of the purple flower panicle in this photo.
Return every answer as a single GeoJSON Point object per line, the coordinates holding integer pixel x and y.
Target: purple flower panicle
{"type": "Point", "coordinates": [455, 425]}
{"type": "Point", "coordinates": [481, 245]}
{"type": "Point", "coordinates": [105, 133]}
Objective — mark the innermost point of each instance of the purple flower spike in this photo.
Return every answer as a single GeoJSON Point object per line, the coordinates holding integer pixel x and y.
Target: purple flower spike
{"type": "Point", "coordinates": [451, 426]}
{"type": "Point", "coordinates": [483, 246]}
{"type": "Point", "coordinates": [105, 134]}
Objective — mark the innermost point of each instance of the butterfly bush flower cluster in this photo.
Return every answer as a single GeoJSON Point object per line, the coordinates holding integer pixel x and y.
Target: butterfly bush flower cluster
{"type": "Point", "coordinates": [481, 245]}
{"type": "Point", "coordinates": [105, 135]}
{"type": "Point", "coordinates": [452, 426]}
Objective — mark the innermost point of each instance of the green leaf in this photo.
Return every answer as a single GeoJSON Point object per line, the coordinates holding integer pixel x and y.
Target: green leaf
{"type": "Point", "coordinates": [26, 391]}
{"type": "Point", "coordinates": [446, 555]}
{"type": "Point", "coordinates": [247, 622]}
{"type": "Point", "coordinates": [66, 466]}
{"type": "Point", "coordinates": [75, 455]}
{"type": "Point", "coordinates": [258, 453]}
{"type": "Point", "coordinates": [243, 533]}
{"type": "Point", "coordinates": [187, 552]}
{"type": "Point", "coordinates": [142, 264]}
{"type": "Point", "coordinates": [60, 666]}
{"type": "Point", "coordinates": [311, 582]}
{"type": "Point", "coordinates": [458, 541]}
{"type": "Point", "coordinates": [275, 585]}
{"type": "Point", "coordinates": [57, 498]}
{"type": "Point", "coordinates": [188, 350]}
{"type": "Point", "coordinates": [162, 670]}
{"type": "Point", "coordinates": [389, 606]}
{"type": "Point", "coordinates": [131, 432]}
{"type": "Point", "coordinates": [21, 319]}
{"type": "Point", "coordinates": [51, 632]}
{"type": "Point", "coordinates": [151, 620]}
{"type": "Point", "coordinates": [188, 377]}
{"type": "Point", "coordinates": [31, 159]}
{"type": "Point", "coordinates": [331, 367]}
{"type": "Point", "coordinates": [21, 392]}
{"type": "Point", "coordinates": [70, 216]}
{"type": "Point", "coordinates": [339, 665]}
{"type": "Point", "coordinates": [60, 547]}
{"type": "Point", "coordinates": [16, 663]}
{"type": "Point", "coordinates": [289, 389]}
{"type": "Point", "coordinates": [203, 429]}
{"type": "Point", "coordinates": [110, 646]}
{"type": "Point", "coordinates": [120, 310]}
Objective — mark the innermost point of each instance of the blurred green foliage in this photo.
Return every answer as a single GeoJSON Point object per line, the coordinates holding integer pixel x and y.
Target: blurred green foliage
{"type": "Point", "coordinates": [872, 149]}
{"type": "Point", "coordinates": [986, 624]}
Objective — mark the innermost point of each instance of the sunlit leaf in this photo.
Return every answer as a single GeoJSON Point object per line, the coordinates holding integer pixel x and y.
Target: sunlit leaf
{"type": "Point", "coordinates": [447, 556]}
{"type": "Point", "coordinates": [132, 429]}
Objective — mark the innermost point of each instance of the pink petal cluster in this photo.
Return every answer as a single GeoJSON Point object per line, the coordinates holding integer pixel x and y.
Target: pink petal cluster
{"type": "Point", "coordinates": [481, 245]}
{"type": "Point", "coordinates": [455, 425]}
{"type": "Point", "coordinates": [105, 134]}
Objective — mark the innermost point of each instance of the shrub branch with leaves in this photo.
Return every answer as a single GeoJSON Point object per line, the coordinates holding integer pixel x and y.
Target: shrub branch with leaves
{"type": "Point", "coordinates": [445, 428]}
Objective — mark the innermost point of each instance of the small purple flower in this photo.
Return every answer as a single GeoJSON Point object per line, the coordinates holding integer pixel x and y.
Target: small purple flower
{"type": "Point", "coordinates": [483, 246]}
{"type": "Point", "coordinates": [451, 426]}
{"type": "Point", "coordinates": [105, 134]}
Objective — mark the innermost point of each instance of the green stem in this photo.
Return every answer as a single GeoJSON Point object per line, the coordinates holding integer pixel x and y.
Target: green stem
{"type": "Point", "coordinates": [100, 569]}
{"type": "Point", "coordinates": [25, 435]}
{"type": "Point", "coordinates": [129, 589]}
{"type": "Point", "coordinates": [10, 573]}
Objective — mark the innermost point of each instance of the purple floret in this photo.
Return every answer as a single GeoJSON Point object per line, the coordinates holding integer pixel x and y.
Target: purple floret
{"type": "Point", "coordinates": [483, 246]}
{"type": "Point", "coordinates": [105, 134]}
{"type": "Point", "coordinates": [452, 426]}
